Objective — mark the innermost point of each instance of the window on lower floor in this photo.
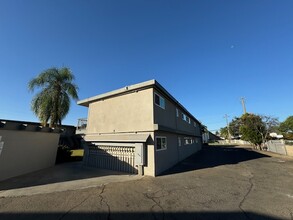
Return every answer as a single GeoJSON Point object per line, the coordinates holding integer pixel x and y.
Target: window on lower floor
{"type": "Point", "coordinates": [179, 141]}
{"type": "Point", "coordinates": [188, 140]}
{"type": "Point", "coordinates": [161, 143]}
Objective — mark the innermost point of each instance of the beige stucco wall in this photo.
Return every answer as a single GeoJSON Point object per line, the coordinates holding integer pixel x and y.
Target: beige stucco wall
{"type": "Point", "coordinates": [149, 168]}
{"type": "Point", "coordinates": [167, 117]}
{"type": "Point", "coordinates": [130, 112]}
{"type": "Point", "coordinates": [26, 151]}
{"type": "Point", "coordinates": [136, 112]}
{"type": "Point", "coordinates": [174, 153]}
{"type": "Point", "coordinates": [187, 150]}
{"type": "Point", "coordinates": [165, 159]}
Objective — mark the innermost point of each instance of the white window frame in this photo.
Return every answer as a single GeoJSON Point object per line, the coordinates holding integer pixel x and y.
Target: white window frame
{"type": "Point", "coordinates": [177, 112]}
{"type": "Point", "coordinates": [162, 103]}
{"type": "Point", "coordinates": [188, 141]}
{"type": "Point", "coordinates": [183, 117]}
{"type": "Point", "coordinates": [161, 137]}
{"type": "Point", "coordinates": [186, 118]}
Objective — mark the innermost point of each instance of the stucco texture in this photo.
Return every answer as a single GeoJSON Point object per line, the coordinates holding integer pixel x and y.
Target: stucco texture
{"type": "Point", "coordinates": [26, 151]}
{"type": "Point", "coordinates": [130, 112]}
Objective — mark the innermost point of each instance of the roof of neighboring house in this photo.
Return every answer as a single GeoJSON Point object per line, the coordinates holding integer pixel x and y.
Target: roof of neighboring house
{"type": "Point", "coordinates": [213, 136]}
{"type": "Point", "coordinates": [28, 125]}
{"type": "Point", "coordinates": [127, 89]}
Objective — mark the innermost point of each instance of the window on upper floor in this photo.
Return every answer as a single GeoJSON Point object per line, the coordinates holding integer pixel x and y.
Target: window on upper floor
{"type": "Point", "coordinates": [194, 123]}
{"type": "Point", "coordinates": [186, 118]}
{"type": "Point", "coordinates": [183, 117]}
{"type": "Point", "coordinates": [177, 112]}
{"type": "Point", "coordinates": [161, 143]}
{"type": "Point", "coordinates": [159, 101]}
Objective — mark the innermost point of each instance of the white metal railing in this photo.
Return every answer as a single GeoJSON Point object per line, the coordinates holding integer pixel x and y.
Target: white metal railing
{"type": "Point", "coordinates": [119, 158]}
{"type": "Point", "coordinates": [81, 124]}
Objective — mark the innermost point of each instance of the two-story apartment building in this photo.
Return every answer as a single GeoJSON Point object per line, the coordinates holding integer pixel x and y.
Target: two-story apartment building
{"type": "Point", "coordinates": [139, 128]}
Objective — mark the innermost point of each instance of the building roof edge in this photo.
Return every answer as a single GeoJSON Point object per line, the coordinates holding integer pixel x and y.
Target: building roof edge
{"type": "Point", "coordinates": [150, 83]}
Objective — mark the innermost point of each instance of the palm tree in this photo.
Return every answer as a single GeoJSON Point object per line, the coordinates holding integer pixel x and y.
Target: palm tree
{"type": "Point", "coordinates": [53, 101]}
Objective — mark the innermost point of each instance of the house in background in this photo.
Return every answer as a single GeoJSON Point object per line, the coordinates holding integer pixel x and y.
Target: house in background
{"type": "Point", "coordinates": [140, 128]}
{"type": "Point", "coordinates": [209, 137]}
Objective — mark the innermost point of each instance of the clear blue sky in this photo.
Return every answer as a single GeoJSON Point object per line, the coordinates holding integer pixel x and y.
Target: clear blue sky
{"type": "Point", "coordinates": [207, 54]}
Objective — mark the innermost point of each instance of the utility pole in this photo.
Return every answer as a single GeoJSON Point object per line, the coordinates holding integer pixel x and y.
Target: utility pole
{"type": "Point", "coordinates": [243, 105]}
{"type": "Point", "coordinates": [229, 135]}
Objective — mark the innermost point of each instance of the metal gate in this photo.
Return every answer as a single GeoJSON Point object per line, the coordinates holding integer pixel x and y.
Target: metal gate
{"type": "Point", "coordinates": [112, 157]}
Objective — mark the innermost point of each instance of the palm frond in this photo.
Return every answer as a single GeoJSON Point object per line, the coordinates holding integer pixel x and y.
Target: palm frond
{"type": "Point", "coordinates": [66, 74]}
{"type": "Point", "coordinates": [64, 106]}
{"type": "Point", "coordinates": [52, 103]}
{"type": "Point", "coordinates": [71, 89]}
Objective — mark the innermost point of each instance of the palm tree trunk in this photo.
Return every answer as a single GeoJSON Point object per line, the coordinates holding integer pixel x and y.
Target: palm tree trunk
{"type": "Point", "coordinates": [55, 114]}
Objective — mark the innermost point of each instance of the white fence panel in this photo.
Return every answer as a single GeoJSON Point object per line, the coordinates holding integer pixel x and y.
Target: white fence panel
{"type": "Point", "coordinates": [119, 158]}
{"type": "Point", "coordinates": [277, 146]}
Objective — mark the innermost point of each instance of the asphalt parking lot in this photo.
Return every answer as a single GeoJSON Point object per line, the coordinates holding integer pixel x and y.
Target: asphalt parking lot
{"type": "Point", "coordinates": [217, 183]}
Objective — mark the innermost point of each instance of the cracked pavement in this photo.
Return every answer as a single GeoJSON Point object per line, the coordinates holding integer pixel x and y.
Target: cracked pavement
{"type": "Point", "coordinates": [217, 183]}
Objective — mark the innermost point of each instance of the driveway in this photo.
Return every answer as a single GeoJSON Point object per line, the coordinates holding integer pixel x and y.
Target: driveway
{"type": "Point", "coordinates": [62, 177]}
{"type": "Point", "coordinates": [217, 183]}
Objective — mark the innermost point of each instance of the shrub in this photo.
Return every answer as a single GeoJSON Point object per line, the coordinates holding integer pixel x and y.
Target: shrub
{"type": "Point", "coordinates": [63, 154]}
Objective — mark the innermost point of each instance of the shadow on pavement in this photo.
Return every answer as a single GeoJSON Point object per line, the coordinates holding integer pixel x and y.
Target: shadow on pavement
{"type": "Point", "coordinates": [57, 174]}
{"type": "Point", "coordinates": [137, 215]}
{"type": "Point", "coordinates": [212, 156]}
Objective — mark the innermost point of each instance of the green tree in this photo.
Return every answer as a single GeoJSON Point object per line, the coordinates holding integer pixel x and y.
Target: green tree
{"type": "Point", "coordinates": [224, 132]}
{"type": "Point", "coordinates": [52, 102]}
{"type": "Point", "coordinates": [234, 127]}
{"type": "Point", "coordinates": [286, 127]}
{"type": "Point", "coordinates": [251, 128]}
{"type": "Point", "coordinates": [270, 125]}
